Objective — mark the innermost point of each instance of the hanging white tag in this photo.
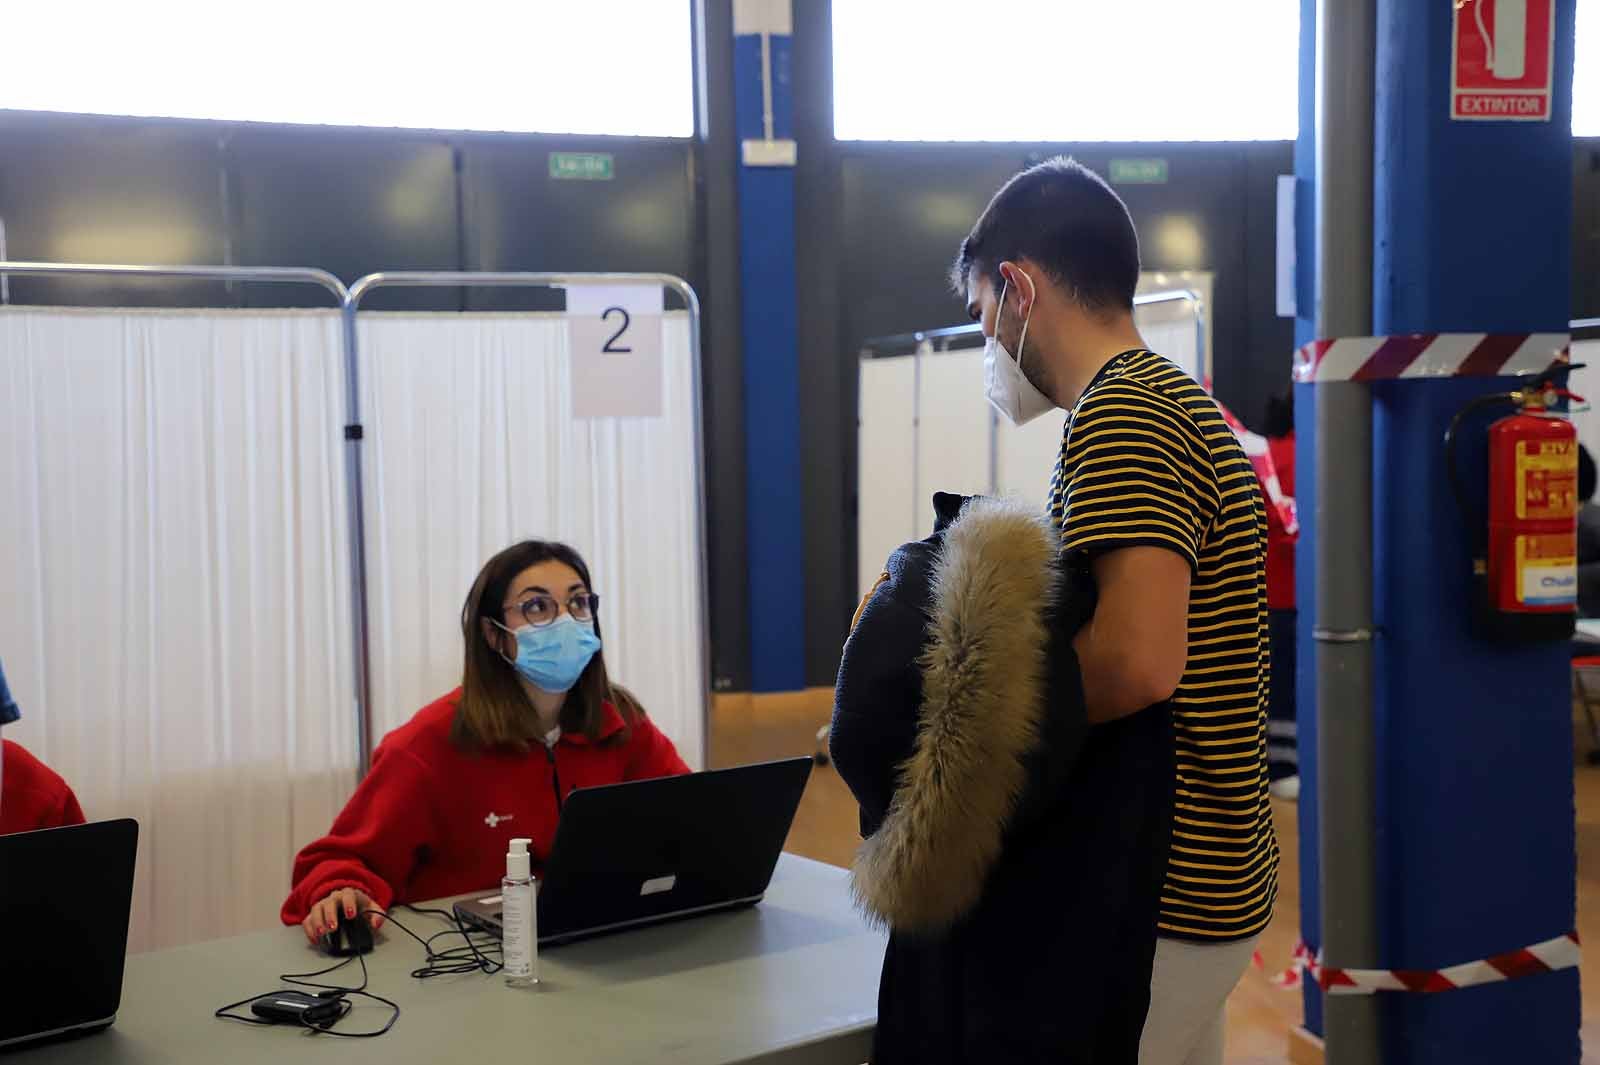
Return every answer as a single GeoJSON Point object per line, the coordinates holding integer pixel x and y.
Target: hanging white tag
{"type": "Point", "coordinates": [615, 343]}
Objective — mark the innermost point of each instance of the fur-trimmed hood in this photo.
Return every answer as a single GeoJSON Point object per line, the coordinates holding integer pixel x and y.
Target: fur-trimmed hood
{"type": "Point", "coordinates": [984, 678]}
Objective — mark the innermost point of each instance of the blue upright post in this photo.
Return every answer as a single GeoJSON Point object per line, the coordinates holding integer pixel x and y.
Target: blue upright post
{"type": "Point", "coordinates": [1475, 835]}
{"type": "Point", "coordinates": [769, 317]}
{"type": "Point", "coordinates": [1305, 473]}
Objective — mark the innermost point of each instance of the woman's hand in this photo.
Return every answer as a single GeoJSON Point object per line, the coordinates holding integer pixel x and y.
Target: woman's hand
{"type": "Point", "coordinates": [324, 916]}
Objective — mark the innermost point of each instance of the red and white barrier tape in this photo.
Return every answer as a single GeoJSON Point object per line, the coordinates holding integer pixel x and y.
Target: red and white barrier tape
{"type": "Point", "coordinates": [1290, 979]}
{"type": "Point", "coordinates": [1414, 355]}
{"type": "Point", "coordinates": [1549, 956]}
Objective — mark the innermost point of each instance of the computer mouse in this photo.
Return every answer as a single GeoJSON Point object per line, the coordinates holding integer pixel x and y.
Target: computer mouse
{"type": "Point", "coordinates": [352, 936]}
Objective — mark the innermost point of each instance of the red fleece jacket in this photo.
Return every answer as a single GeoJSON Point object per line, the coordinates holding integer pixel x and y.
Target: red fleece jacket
{"type": "Point", "coordinates": [32, 795]}
{"type": "Point", "coordinates": [431, 820]}
{"type": "Point", "coordinates": [1280, 544]}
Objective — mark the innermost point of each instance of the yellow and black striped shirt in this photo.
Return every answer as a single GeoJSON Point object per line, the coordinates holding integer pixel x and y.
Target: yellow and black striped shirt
{"type": "Point", "coordinates": [1148, 461]}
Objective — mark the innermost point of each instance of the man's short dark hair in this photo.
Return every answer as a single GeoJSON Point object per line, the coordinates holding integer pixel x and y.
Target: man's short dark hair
{"type": "Point", "coordinates": [1063, 216]}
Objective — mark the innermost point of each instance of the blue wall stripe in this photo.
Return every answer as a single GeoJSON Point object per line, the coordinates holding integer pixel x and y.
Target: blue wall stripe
{"type": "Point", "coordinates": [769, 322]}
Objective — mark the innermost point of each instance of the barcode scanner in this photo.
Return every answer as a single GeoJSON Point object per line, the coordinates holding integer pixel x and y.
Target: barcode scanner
{"type": "Point", "coordinates": [352, 936]}
{"type": "Point", "coordinates": [297, 1007]}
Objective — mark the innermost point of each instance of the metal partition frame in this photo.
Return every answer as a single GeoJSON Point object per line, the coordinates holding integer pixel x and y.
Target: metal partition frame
{"type": "Point", "coordinates": [950, 336]}
{"type": "Point", "coordinates": [288, 275]}
{"type": "Point", "coordinates": [353, 434]}
{"type": "Point", "coordinates": [931, 341]}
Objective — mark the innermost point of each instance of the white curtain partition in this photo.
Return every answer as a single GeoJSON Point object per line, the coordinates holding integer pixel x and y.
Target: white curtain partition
{"type": "Point", "coordinates": [175, 618]}
{"type": "Point", "coordinates": [471, 445]}
{"type": "Point", "coordinates": [174, 621]}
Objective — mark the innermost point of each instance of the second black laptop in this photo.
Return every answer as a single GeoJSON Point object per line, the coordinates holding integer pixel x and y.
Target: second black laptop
{"type": "Point", "coordinates": [653, 850]}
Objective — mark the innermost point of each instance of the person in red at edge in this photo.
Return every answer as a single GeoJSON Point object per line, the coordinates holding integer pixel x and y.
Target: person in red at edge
{"type": "Point", "coordinates": [32, 795]}
{"type": "Point", "coordinates": [1283, 749]}
{"type": "Point", "coordinates": [536, 716]}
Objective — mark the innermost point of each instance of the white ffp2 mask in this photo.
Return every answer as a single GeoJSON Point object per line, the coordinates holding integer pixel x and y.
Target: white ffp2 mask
{"type": "Point", "coordinates": [1008, 388]}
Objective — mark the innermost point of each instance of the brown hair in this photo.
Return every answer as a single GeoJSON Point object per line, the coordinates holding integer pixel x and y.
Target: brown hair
{"type": "Point", "coordinates": [494, 710]}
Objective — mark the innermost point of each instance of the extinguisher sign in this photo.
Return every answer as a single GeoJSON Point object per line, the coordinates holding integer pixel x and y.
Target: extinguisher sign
{"type": "Point", "coordinates": [1548, 570]}
{"type": "Point", "coordinates": [1547, 479]}
{"type": "Point", "coordinates": [1502, 60]}
{"type": "Point", "coordinates": [1547, 490]}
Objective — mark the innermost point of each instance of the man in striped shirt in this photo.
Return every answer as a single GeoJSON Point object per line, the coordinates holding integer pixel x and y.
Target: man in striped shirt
{"type": "Point", "coordinates": [1155, 497]}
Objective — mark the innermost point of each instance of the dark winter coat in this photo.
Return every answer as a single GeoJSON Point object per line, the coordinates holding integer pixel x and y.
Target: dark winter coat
{"type": "Point", "coordinates": [1015, 853]}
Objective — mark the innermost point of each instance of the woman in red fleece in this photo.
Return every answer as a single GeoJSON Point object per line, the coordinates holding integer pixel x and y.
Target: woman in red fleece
{"type": "Point", "coordinates": [32, 795]}
{"type": "Point", "coordinates": [535, 717]}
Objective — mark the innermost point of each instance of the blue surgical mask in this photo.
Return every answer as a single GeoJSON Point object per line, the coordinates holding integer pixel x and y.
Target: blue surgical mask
{"type": "Point", "coordinates": [554, 656]}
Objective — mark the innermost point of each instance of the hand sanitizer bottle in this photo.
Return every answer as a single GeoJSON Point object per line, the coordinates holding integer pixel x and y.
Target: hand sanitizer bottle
{"type": "Point", "coordinates": [519, 918]}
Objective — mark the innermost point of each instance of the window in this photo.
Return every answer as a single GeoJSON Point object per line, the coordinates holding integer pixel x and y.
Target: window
{"type": "Point", "coordinates": [1586, 76]}
{"type": "Point", "coordinates": [601, 66]}
{"type": "Point", "coordinates": [1067, 70]}
{"type": "Point", "coordinates": [1022, 70]}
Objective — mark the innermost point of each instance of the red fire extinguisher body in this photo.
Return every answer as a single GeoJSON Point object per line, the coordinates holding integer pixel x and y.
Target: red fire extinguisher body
{"type": "Point", "coordinates": [1533, 499]}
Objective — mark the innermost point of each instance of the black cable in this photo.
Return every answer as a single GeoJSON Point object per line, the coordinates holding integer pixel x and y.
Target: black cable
{"type": "Point", "coordinates": [473, 955]}
{"type": "Point", "coordinates": [334, 992]}
{"type": "Point", "coordinates": [223, 1014]}
{"type": "Point", "coordinates": [337, 992]}
{"type": "Point", "coordinates": [288, 978]}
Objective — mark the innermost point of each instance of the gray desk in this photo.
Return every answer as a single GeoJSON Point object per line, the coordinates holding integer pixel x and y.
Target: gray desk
{"type": "Point", "coordinates": [792, 981]}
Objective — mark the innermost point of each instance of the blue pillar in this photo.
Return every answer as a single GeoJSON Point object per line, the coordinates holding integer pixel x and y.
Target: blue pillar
{"type": "Point", "coordinates": [1475, 837]}
{"type": "Point", "coordinates": [768, 317]}
{"type": "Point", "coordinates": [1305, 473]}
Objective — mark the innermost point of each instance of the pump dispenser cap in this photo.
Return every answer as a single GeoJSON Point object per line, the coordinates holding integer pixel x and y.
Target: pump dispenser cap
{"type": "Point", "coordinates": [518, 864]}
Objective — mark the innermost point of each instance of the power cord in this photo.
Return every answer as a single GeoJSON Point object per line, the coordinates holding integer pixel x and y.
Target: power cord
{"type": "Point", "coordinates": [478, 952]}
{"type": "Point", "coordinates": [473, 955]}
{"type": "Point", "coordinates": [330, 992]}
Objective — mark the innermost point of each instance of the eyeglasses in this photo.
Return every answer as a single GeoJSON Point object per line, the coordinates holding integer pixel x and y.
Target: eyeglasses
{"type": "Point", "coordinates": [542, 610]}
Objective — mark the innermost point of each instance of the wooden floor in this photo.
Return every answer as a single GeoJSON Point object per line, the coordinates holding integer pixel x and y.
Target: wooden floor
{"type": "Point", "coordinates": [749, 728]}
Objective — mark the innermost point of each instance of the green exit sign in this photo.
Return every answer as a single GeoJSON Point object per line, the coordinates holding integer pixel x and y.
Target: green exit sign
{"type": "Point", "coordinates": [1138, 171]}
{"type": "Point", "coordinates": [581, 166]}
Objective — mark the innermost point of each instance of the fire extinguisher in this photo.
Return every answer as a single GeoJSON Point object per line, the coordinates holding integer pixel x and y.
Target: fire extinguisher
{"type": "Point", "coordinates": [1525, 552]}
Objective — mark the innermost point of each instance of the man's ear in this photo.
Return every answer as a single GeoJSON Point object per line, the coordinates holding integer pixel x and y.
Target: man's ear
{"type": "Point", "coordinates": [1021, 283]}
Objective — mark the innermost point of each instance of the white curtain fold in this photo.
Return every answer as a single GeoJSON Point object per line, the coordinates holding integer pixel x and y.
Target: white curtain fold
{"type": "Point", "coordinates": [175, 617]}
{"type": "Point", "coordinates": [471, 446]}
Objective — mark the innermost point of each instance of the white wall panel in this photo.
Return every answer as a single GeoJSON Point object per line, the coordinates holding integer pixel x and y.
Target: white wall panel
{"type": "Point", "coordinates": [952, 431]}
{"type": "Point", "coordinates": [1028, 455]}
{"type": "Point", "coordinates": [887, 439]}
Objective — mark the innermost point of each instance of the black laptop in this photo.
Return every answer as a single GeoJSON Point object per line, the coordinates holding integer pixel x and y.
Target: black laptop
{"type": "Point", "coordinates": [65, 895]}
{"type": "Point", "coordinates": [654, 850]}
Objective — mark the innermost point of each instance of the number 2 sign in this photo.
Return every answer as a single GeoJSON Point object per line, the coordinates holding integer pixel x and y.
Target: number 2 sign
{"type": "Point", "coordinates": [614, 345]}
{"type": "Point", "coordinates": [611, 347]}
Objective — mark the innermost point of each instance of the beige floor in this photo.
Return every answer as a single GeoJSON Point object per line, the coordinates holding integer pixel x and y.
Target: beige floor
{"type": "Point", "coordinates": [749, 728]}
